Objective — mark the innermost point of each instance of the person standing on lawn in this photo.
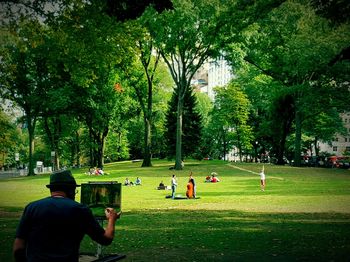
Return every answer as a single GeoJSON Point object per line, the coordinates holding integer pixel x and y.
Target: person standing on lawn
{"type": "Point", "coordinates": [173, 186]}
{"type": "Point", "coordinates": [262, 179]}
{"type": "Point", "coordinates": [194, 185]}
{"type": "Point", "coordinates": [189, 186]}
{"type": "Point", "coordinates": [52, 228]}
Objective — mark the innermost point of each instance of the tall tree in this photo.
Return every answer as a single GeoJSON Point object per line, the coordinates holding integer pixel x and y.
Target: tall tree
{"type": "Point", "coordinates": [142, 80]}
{"type": "Point", "coordinates": [233, 106]}
{"type": "Point", "coordinates": [9, 139]}
{"type": "Point", "coordinates": [217, 136]}
{"type": "Point", "coordinates": [22, 80]}
{"type": "Point", "coordinates": [185, 38]}
{"type": "Point", "coordinates": [324, 127]}
{"type": "Point", "coordinates": [287, 46]}
{"type": "Point", "coordinates": [92, 52]}
{"type": "Point", "coordinates": [281, 116]}
{"type": "Point", "coordinates": [192, 125]}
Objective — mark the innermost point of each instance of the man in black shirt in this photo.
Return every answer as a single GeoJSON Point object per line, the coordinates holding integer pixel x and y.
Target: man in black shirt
{"type": "Point", "coordinates": [52, 228]}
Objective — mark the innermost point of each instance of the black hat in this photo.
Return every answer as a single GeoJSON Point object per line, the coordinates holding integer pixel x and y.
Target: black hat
{"type": "Point", "coordinates": [62, 178]}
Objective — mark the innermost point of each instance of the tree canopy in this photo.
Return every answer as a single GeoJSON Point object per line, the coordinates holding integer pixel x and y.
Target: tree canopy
{"type": "Point", "coordinates": [93, 78]}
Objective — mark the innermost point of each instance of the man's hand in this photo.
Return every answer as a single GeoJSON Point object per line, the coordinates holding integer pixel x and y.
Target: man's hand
{"type": "Point", "coordinates": [111, 214]}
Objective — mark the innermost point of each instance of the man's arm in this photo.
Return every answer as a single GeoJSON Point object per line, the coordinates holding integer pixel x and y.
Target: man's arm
{"type": "Point", "coordinates": [19, 250]}
{"type": "Point", "coordinates": [103, 236]}
{"type": "Point", "coordinates": [112, 217]}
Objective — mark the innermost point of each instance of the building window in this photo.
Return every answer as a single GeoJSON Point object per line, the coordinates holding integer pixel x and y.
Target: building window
{"type": "Point", "coordinates": [335, 148]}
{"type": "Point", "coordinates": [347, 149]}
{"type": "Point", "coordinates": [346, 139]}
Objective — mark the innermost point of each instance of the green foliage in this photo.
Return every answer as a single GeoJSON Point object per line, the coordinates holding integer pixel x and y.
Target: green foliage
{"type": "Point", "coordinates": [325, 125]}
{"type": "Point", "coordinates": [89, 42]}
{"type": "Point", "coordinates": [300, 51]}
{"type": "Point", "coordinates": [22, 78]}
{"type": "Point", "coordinates": [117, 147]}
{"type": "Point", "coordinates": [10, 141]}
{"type": "Point", "coordinates": [83, 59]}
{"type": "Point", "coordinates": [204, 106]}
{"type": "Point", "coordinates": [229, 120]}
{"type": "Point", "coordinates": [185, 40]}
{"type": "Point", "coordinates": [192, 126]}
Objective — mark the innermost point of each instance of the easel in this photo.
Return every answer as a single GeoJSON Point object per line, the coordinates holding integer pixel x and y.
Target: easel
{"type": "Point", "coordinates": [99, 246]}
{"type": "Point", "coordinates": [98, 257]}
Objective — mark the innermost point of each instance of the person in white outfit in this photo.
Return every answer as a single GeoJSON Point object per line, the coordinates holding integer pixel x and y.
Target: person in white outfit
{"type": "Point", "coordinates": [262, 179]}
{"type": "Point", "coordinates": [173, 186]}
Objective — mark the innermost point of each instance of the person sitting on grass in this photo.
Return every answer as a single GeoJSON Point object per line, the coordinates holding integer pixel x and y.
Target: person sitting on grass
{"type": "Point", "coordinates": [127, 182]}
{"type": "Point", "coordinates": [214, 179]}
{"type": "Point", "coordinates": [91, 171]}
{"type": "Point", "coordinates": [138, 181]}
{"type": "Point", "coordinates": [161, 186]}
{"type": "Point", "coordinates": [208, 179]}
{"type": "Point", "coordinates": [99, 172]}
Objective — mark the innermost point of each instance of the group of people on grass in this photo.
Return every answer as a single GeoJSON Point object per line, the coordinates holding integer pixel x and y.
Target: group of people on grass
{"type": "Point", "coordinates": [96, 171]}
{"type": "Point", "coordinates": [127, 182]}
{"type": "Point", "coordinates": [212, 178]}
{"type": "Point", "coordinates": [191, 185]}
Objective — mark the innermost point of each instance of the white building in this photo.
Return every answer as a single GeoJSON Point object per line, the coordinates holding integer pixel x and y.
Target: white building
{"type": "Point", "coordinates": [11, 109]}
{"type": "Point", "coordinates": [219, 74]}
{"type": "Point", "coordinates": [340, 144]}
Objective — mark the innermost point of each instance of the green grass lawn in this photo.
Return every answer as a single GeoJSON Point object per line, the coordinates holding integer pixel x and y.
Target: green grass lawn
{"type": "Point", "coordinates": [304, 214]}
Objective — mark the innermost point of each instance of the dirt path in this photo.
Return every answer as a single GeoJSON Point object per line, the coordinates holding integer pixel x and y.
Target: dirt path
{"type": "Point", "coordinates": [255, 173]}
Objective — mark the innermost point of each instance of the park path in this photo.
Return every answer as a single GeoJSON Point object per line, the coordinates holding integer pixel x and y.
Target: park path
{"type": "Point", "coordinates": [12, 173]}
{"type": "Point", "coordinates": [250, 171]}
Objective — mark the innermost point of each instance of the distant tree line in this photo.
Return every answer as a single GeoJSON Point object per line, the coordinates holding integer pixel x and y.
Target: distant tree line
{"type": "Point", "coordinates": [100, 81]}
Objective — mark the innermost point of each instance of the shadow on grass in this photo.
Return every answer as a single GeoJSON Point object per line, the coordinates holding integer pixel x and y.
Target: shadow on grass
{"type": "Point", "coordinates": [181, 235]}
{"type": "Point", "coordinates": [178, 235]}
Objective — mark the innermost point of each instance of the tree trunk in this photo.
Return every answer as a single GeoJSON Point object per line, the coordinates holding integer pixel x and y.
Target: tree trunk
{"type": "Point", "coordinates": [239, 145]}
{"type": "Point", "coordinates": [77, 147]}
{"type": "Point", "coordinates": [57, 159]}
{"type": "Point", "coordinates": [282, 145]}
{"type": "Point", "coordinates": [54, 138]}
{"type": "Point", "coordinates": [100, 150]}
{"type": "Point", "coordinates": [72, 152]}
{"type": "Point", "coordinates": [147, 144]}
{"type": "Point", "coordinates": [297, 152]}
{"type": "Point", "coordinates": [224, 142]}
{"type": "Point", "coordinates": [280, 150]}
{"type": "Point", "coordinates": [99, 141]}
{"type": "Point", "coordinates": [179, 113]}
{"type": "Point", "coordinates": [91, 149]}
{"type": "Point", "coordinates": [317, 150]}
{"type": "Point", "coordinates": [31, 128]}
